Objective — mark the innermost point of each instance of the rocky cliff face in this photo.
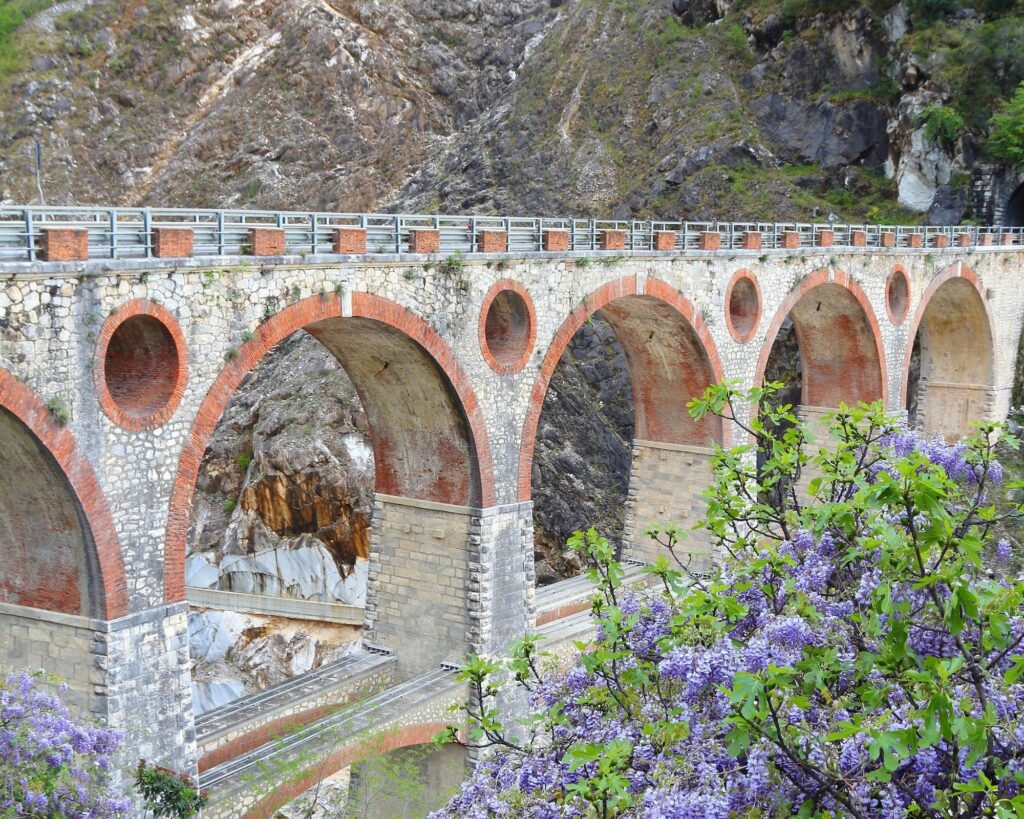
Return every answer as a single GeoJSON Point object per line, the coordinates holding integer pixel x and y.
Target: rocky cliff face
{"type": "Point", "coordinates": [284, 494]}
{"type": "Point", "coordinates": [710, 108]}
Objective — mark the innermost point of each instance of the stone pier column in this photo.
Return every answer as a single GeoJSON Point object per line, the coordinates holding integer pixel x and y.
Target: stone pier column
{"type": "Point", "coordinates": [132, 674]}
{"type": "Point", "coordinates": [447, 580]}
{"type": "Point", "coordinates": [666, 483]}
{"type": "Point", "coordinates": [948, 409]}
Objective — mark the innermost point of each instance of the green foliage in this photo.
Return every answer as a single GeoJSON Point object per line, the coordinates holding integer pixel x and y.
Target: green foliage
{"type": "Point", "coordinates": [59, 409]}
{"type": "Point", "coordinates": [167, 793]}
{"type": "Point", "coordinates": [12, 14]}
{"type": "Point", "coordinates": [452, 265]}
{"type": "Point", "coordinates": [243, 459]}
{"type": "Point", "coordinates": [737, 43]}
{"type": "Point", "coordinates": [229, 505]}
{"type": "Point", "coordinates": [924, 12]}
{"type": "Point", "coordinates": [942, 126]}
{"type": "Point", "coordinates": [1006, 142]}
{"type": "Point", "coordinates": [893, 647]}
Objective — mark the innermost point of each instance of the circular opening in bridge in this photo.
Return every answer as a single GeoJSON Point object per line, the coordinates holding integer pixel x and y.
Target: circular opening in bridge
{"type": "Point", "coordinates": [897, 296]}
{"type": "Point", "coordinates": [142, 366]}
{"type": "Point", "coordinates": [508, 328]}
{"type": "Point", "coordinates": [743, 306]}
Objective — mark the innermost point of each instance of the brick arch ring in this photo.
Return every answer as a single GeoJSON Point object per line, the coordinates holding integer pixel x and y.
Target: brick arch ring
{"type": "Point", "coordinates": [29, 408]}
{"type": "Point", "coordinates": [407, 736]}
{"type": "Point", "coordinates": [276, 329]}
{"type": "Point", "coordinates": [954, 271]}
{"type": "Point", "coordinates": [151, 401]}
{"type": "Point", "coordinates": [603, 296]}
{"type": "Point", "coordinates": [808, 283]}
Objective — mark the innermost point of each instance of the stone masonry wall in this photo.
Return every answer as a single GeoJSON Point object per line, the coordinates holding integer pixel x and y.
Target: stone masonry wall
{"type": "Point", "coordinates": [416, 597]}
{"type": "Point", "coordinates": [665, 486]}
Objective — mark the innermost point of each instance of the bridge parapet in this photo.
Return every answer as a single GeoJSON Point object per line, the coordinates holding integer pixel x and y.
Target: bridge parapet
{"type": "Point", "coordinates": [31, 234]}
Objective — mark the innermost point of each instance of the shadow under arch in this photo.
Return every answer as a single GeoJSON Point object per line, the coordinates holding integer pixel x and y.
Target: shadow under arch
{"type": "Point", "coordinates": [58, 544]}
{"type": "Point", "coordinates": [954, 325]}
{"type": "Point", "coordinates": [671, 357]}
{"type": "Point", "coordinates": [839, 339]}
{"type": "Point", "coordinates": [402, 369]}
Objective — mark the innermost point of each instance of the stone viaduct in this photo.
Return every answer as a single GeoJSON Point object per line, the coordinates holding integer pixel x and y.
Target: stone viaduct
{"type": "Point", "coordinates": [124, 334]}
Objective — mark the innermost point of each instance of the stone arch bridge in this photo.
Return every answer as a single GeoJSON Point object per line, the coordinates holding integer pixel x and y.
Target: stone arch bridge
{"type": "Point", "coordinates": [124, 334]}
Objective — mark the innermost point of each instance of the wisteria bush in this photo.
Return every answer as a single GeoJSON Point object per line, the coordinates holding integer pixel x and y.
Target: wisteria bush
{"type": "Point", "coordinates": [50, 764]}
{"type": "Point", "coordinates": [858, 654]}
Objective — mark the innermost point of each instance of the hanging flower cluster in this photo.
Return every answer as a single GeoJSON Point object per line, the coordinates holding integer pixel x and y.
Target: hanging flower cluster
{"type": "Point", "coordinates": [51, 765]}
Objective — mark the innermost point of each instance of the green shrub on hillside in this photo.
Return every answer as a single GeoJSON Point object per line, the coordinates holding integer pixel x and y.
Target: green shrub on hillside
{"type": "Point", "coordinates": [12, 14]}
{"type": "Point", "coordinates": [1006, 142]}
{"type": "Point", "coordinates": [942, 126]}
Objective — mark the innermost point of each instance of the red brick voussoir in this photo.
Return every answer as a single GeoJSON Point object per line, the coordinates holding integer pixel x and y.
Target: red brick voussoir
{"type": "Point", "coordinates": [273, 330]}
{"type": "Point", "coordinates": [24, 403]}
{"type": "Point", "coordinates": [405, 737]}
{"type": "Point", "coordinates": [604, 295]}
{"type": "Point", "coordinates": [492, 362]}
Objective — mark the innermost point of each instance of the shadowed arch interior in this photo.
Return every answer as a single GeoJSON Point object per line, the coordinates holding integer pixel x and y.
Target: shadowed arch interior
{"type": "Point", "coordinates": [838, 348]}
{"type": "Point", "coordinates": [422, 444]}
{"type": "Point", "coordinates": [46, 546]}
{"type": "Point", "coordinates": [668, 366]}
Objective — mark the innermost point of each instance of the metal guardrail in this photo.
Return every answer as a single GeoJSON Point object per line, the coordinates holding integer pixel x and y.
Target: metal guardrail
{"type": "Point", "coordinates": [127, 233]}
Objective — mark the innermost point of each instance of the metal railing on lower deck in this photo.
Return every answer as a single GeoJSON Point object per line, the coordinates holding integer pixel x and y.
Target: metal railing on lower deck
{"type": "Point", "coordinates": [127, 233]}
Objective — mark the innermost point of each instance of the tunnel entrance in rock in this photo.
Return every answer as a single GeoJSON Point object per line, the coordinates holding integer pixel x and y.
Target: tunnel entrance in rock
{"type": "Point", "coordinates": [46, 546]}
{"type": "Point", "coordinates": [1014, 214]}
{"type": "Point", "coordinates": [949, 369]}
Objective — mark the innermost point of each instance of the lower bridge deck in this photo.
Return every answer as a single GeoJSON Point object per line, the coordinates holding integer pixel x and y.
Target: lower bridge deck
{"type": "Point", "coordinates": [263, 750]}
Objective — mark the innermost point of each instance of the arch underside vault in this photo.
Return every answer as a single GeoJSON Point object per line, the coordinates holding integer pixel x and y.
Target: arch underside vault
{"type": "Point", "coordinates": [956, 366]}
{"type": "Point", "coordinates": [671, 360]}
{"type": "Point", "coordinates": [838, 348]}
{"type": "Point", "coordinates": [421, 440]}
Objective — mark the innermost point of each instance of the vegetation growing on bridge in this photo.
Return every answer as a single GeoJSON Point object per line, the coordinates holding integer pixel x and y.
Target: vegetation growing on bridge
{"type": "Point", "coordinates": [855, 656]}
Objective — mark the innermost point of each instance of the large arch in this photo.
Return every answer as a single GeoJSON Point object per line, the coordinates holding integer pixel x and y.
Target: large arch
{"type": "Point", "coordinates": [671, 355]}
{"type": "Point", "coordinates": [671, 358]}
{"type": "Point", "coordinates": [58, 544]}
{"type": "Point", "coordinates": [839, 338]}
{"type": "Point", "coordinates": [954, 325]}
{"type": "Point", "coordinates": [427, 429]}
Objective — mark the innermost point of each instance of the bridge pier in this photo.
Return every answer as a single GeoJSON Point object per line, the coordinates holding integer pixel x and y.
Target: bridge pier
{"type": "Point", "coordinates": [446, 580]}
{"type": "Point", "coordinates": [666, 482]}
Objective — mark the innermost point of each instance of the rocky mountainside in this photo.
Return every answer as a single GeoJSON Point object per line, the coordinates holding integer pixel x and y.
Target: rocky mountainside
{"type": "Point", "coordinates": [709, 108]}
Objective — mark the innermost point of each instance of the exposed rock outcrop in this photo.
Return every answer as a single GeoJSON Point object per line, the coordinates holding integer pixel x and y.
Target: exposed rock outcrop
{"type": "Point", "coordinates": [284, 492]}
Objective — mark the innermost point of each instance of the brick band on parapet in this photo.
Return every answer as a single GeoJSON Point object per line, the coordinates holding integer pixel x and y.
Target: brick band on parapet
{"type": "Point", "coordinates": [70, 234]}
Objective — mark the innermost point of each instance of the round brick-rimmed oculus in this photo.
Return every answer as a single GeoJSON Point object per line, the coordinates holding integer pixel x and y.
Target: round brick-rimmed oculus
{"type": "Point", "coordinates": [743, 306]}
{"type": "Point", "coordinates": [508, 327]}
{"type": "Point", "coordinates": [141, 366]}
{"type": "Point", "coordinates": [897, 295]}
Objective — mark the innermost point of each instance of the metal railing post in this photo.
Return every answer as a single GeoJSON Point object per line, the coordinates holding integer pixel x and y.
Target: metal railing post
{"type": "Point", "coordinates": [220, 233]}
{"type": "Point", "coordinates": [147, 231]}
{"type": "Point", "coordinates": [112, 217]}
{"type": "Point", "coordinates": [29, 238]}
{"type": "Point", "coordinates": [312, 233]}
